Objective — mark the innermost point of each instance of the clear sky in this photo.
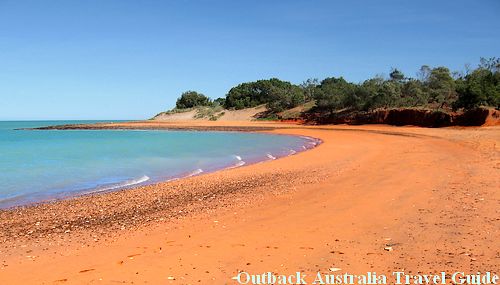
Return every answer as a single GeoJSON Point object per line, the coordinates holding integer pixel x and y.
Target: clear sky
{"type": "Point", "coordinates": [105, 59]}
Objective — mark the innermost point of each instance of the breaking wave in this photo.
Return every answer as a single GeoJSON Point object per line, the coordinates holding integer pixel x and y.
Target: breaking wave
{"type": "Point", "coordinates": [240, 162]}
{"type": "Point", "coordinates": [196, 172]}
{"type": "Point", "coordinates": [123, 184]}
{"type": "Point", "coordinates": [270, 156]}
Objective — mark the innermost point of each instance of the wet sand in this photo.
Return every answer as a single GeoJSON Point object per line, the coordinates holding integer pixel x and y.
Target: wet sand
{"type": "Point", "coordinates": [370, 198]}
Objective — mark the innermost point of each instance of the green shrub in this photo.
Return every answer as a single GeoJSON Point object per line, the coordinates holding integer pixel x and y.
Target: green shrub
{"type": "Point", "coordinates": [190, 99]}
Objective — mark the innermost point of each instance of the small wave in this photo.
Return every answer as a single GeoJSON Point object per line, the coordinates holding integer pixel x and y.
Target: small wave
{"type": "Point", "coordinates": [270, 156]}
{"type": "Point", "coordinates": [292, 152]}
{"type": "Point", "coordinates": [238, 164]}
{"type": "Point", "coordinates": [304, 147]}
{"type": "Point", "coordinates": [127, 183]}
{"type": "Point", "coordinates": [196, 172]}
{"type": "Point", "coordinates": [312, 141]}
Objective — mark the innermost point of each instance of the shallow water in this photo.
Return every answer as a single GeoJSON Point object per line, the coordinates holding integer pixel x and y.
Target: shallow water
{"type": "Point", "coordinates": [42, 165]}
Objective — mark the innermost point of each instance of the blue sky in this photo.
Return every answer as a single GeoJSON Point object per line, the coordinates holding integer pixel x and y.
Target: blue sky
{"type": "Point", "coordinates": [104, 59]}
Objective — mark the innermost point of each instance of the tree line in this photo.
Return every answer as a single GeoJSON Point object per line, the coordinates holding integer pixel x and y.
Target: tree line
{"type": "Point", "coordinates": [436, 88]}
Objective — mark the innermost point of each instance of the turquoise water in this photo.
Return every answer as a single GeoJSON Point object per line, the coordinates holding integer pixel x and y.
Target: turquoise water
{"type": "Point", "coordinates": [49, 164]}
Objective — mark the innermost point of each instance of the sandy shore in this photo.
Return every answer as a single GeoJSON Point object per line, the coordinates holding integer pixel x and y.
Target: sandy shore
{"type": "Point", "coordinates": [370, 198]}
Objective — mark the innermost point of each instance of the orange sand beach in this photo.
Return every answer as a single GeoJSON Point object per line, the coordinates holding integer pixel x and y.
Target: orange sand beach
{"type": "Point", "coordinates": [368, 199]}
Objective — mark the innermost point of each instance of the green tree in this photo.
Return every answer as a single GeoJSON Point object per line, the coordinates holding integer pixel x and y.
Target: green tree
{"type": "Point", "coordinates": [441, 86]}
{"type": "Point", "coordinates": [389, 94]}
{"type": "Point", "coordinates": [309, 88]}
{"type": "Point", "coordinates": [281, 99]}
{"type": "Point", "coordinates": [424, 73]}
{"type": "Point", "coordinates": [191, 99]}
{"type": "Point", "coordinates": [413, 94]}
{"type": "Point", "coordinates": [492, 64]}
{"type": "Point", "coordinates": [396, 75]}
{"type": "Point", "coordinates": [368, 92]}
{"type": "Point", "coordinates": [334, 93]}
{"type": "Point", "coordinates": [379, 93]}
{"type": "Point", "coordinates": [277, 94]}
{"type": "Point", "coordinates": [479, 88]}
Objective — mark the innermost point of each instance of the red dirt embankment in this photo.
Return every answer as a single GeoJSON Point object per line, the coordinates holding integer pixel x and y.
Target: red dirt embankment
{"type": "Point", "coordinates": [414, 117]}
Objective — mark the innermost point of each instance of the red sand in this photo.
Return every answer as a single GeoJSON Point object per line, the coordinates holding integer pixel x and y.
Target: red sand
{"type": "Point", "coordinates": [370, 198]}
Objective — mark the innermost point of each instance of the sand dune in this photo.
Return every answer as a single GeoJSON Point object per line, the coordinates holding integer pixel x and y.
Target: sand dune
{"type": "Point", "coordinates": [247, 114]}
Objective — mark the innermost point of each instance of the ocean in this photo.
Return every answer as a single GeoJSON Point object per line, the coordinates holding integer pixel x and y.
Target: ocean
{"type": "Point", "coordinates": [40, 165]}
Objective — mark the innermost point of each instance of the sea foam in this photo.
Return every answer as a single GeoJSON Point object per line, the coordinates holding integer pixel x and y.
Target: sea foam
{"type": "Point", "coordinates": [270, 156]}
{"type": "Point", "coordinates": [123, 184]}
{"type": "Point", "coordinates": [196, 172]}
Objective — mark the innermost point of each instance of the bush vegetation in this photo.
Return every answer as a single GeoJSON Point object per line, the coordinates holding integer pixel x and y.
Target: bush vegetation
{"type": "Point", "coordinates": [190, 99]}
{"type": "Point", "coordinates": [209, 112]}
{"type": "Point", "coordinates": [278, 95]}
{"type": "Point", "coordinates": [434, 88]}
